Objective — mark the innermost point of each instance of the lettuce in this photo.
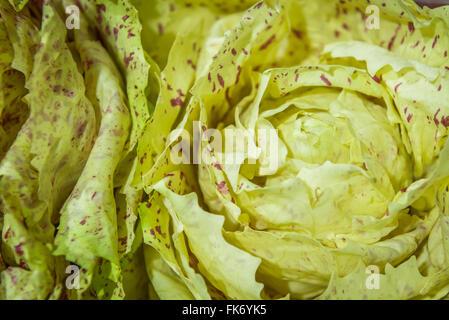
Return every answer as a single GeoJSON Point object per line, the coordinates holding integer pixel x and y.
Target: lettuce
{"type": "Point", "coordinates": [120, 30]}
{"type": "Point", "coordinates": [349, 181]}
{"type": "Point", "coordinates": [275, 149]}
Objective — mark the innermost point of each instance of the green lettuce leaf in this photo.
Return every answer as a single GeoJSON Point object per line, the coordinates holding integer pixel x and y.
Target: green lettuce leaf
{"type": "Point", "coordinates": [87, 233]}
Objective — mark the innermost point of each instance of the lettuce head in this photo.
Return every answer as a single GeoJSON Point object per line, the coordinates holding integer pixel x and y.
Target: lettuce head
{"type": "Point", "coordinates": [275, 149]}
